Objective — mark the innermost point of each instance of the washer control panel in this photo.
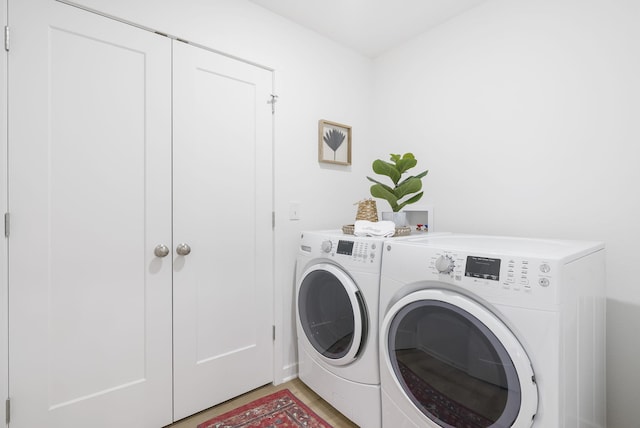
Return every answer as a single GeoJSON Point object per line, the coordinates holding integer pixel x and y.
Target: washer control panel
{"type": "Point", "coordinates": [356, 251]}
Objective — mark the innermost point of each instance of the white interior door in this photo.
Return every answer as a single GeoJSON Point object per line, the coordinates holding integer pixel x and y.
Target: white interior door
{"type": "Point", "coordinates": [90, 198]}
{"type": "Point", "coordinates": [223, 304]}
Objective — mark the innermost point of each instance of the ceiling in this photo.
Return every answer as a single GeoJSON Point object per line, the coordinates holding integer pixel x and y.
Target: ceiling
{"type": "Point", "coordinates": [369, 26]}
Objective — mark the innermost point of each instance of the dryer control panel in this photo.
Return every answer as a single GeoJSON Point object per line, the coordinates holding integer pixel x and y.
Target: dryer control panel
{"type": "Point", "coordinates": [506, 277]}
{"type": "Point", "coordinates": [509, 272]}
{"type": "Point", "coordinates": [524, 272]}
{"type": "Point", "coordinates": [364, 253]}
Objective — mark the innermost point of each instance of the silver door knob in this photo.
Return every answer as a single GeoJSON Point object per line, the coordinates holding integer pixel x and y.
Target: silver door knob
{"type": "Point", "coordinates": [183, 249]}
{"type": "Point", "coordinates": [161, 251]}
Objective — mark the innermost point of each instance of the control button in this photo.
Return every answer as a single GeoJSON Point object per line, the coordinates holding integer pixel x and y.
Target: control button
{"type": "Point", "coordinates": [373, 246]}
{"type": "Point", "coordinates": [545, 268]}
{"type": "Point", "coordinates": [544, 282]}
{"type": "Point", "coordinates": [326, 246]}
{"type": "Point", "coordinates": [444, 264]}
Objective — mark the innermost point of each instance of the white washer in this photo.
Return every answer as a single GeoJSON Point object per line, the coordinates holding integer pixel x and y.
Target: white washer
{"type": "Point", "coordinates": [485, 331]}
{"type": "Point", "coordinates": [337, 288]}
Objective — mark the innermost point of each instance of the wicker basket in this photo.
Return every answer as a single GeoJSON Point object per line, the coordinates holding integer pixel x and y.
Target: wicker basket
{"type": "Point", "coordinates": [348, 229]}
{"type": "Point", "coordinates": [367, 210]}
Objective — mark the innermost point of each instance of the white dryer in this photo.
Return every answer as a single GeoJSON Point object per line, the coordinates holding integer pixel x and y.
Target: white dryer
{"type": "Point", "coordinates": [337, 286]}
{"type": "Point", "coordinates": [481, 331]}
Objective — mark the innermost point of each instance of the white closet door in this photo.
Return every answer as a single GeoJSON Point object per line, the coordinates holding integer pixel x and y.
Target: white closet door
{"type": "Point", "coordinates": [90, 198]}
{"type": "Point", "coordinates": [223, 289]}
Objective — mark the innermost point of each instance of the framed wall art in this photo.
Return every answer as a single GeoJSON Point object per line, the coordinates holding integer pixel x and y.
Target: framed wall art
{"type": "Point", "coordinates": [334, 143]}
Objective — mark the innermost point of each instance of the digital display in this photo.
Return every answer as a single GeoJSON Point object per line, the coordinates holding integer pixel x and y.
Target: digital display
{"type": "Point", "coordinates": [483, 267]}
{"type": "Point", "coordinates": [345, 247]}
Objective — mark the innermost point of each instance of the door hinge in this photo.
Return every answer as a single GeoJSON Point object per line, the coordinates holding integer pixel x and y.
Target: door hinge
{"type": "Point", "coordinates": [7, 224]}
{"type": "Point", "coordinates": [7, 411]}
{"type": "Point", "coordinates": [273, 100]}
{"type": "Point", "coordinates": [273, 329]}
{"type": "Point", "coordinates": [6, 38]}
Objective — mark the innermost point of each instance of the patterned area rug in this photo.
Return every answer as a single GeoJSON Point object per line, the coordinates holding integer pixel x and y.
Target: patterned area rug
{"type": "Point", "coordinates": [278, 410]}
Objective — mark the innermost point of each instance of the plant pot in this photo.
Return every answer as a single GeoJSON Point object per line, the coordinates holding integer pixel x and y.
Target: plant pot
{"type": "Point", "coordinates": [399, 218]}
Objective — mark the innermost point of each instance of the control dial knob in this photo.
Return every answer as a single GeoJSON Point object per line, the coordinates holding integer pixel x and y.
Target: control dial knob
{"type": "Point", "coordinates": [326, 246]}
{"type": "Point", "coordinates": [444, 264]}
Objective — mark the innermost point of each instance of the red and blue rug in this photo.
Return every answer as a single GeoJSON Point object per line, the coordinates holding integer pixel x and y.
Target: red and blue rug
{"type": "Point", "coordinates": [278, 410]}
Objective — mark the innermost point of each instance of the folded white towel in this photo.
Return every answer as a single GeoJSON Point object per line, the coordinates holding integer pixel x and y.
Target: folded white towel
{"type": "Point", "coordinates": [374, 228]}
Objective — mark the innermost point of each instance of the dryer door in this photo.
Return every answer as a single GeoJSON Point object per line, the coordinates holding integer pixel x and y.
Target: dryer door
{"type": "Point", "coordinates": [457, 362]}
{"type": "Point", "coordinates": [332, 313]}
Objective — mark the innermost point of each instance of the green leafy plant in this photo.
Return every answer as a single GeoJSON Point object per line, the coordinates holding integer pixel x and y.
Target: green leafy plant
{"type": "Point", "coordinates": [407, 188]}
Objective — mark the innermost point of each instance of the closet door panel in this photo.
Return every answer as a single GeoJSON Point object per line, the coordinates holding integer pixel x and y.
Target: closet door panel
{"type": "Point", "coordinates": [223, 289]}
{"type": "Point", "coordinates": [89, 174]}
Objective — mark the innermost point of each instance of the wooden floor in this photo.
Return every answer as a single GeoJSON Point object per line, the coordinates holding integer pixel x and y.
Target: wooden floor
{"type": "Point", "coordinates": [297, 388]}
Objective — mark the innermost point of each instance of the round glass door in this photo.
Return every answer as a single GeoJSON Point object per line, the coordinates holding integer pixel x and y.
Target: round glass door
{"type": "Point", "coordinates": [332, 313]}
{"type": "Point", "coordinates": [458, 363]}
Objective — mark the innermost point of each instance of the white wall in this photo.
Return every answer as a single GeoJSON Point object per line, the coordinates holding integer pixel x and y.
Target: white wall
{"type": "Point", "coordinates": [314, 79]}
{"type": "Point", "coordinates": [526, 114]}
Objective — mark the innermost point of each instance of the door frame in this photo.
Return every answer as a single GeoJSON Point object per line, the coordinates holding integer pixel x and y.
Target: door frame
{"type": "Point", "coordinates": [4, 253]}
